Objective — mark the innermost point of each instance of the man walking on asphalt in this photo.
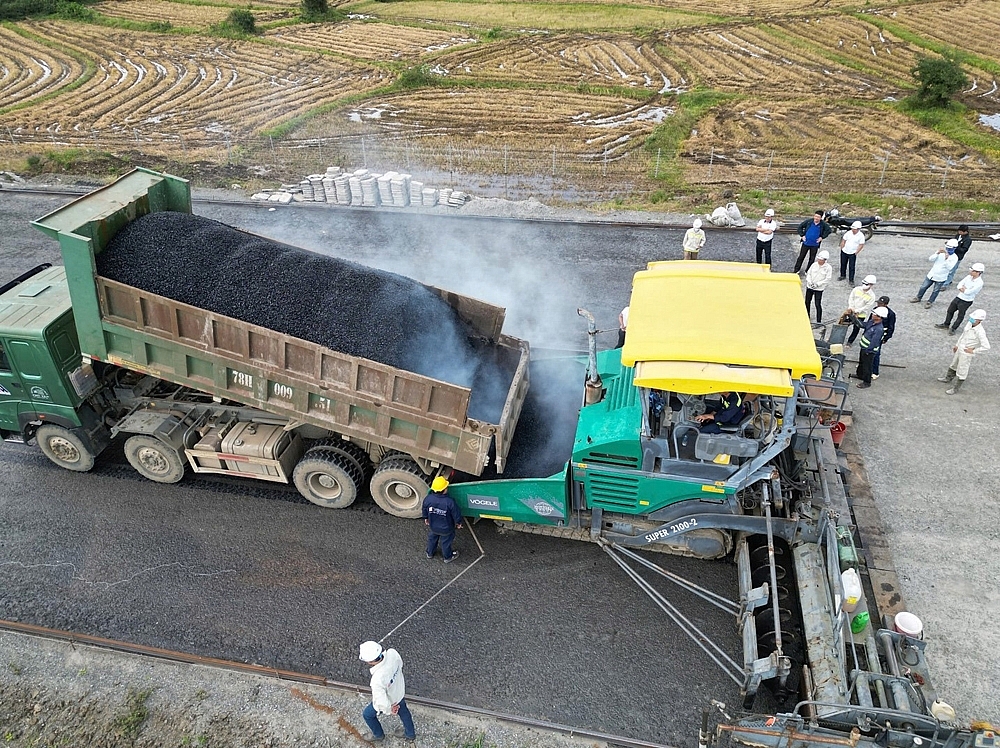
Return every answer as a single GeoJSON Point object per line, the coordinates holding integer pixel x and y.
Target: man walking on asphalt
{"type": "Point", "coordinates": [442, 517]}
{"type": "Point", "coordinates": [388, 691]}
{"type": "Point", "coordinates": [860, 303]}
{"type": "Point", "coordinates": [812, 232]}
{"type": "Point", "coordinates": [944, 261]}
{"type": "Point", "coordinates": [968, 288]}
{"type": "Point", "coordinates": [964, 245]}
{"type": "Point", "coordinates": [972, 342]}
{"type": "Point", "coordinates": [888, 329]}
{"type": "Point", "coordinates": [766, 227]}
{"type": "Point", "coordinates": [850, 247]}
{"type": "Point", "coordinates": [694, 240]}
{"type": "Point", "coordinates": [871, 344]}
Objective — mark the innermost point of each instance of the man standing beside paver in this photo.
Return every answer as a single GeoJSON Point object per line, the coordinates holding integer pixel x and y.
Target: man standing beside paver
{"type": "Point", "coordinates": [694, 240]}
{"type": "Point", "coordinates": [388, 691]}
{"type": "Point", "coordinates": [818, 277]}
{"type": "Point", "coordinates": [973, 341]}
{"type": "Point", "coordinates": [968, 288]}
{"type": "Point", "coordinates": [850, 247]}
{"type": "Point", "coordinates": [622, 327]}
{"type": "Point", "coordinates": [442, 517]}
{"type": "Point", "coordinates": [964, 245]}
{"type": "Point", "coordinates": [766, 227]}
{"type": "Point", "coordinates": [888, 330]}
{"type": "Point", "coordinates": [944, 260]}
{"type": "Point", "coordinates": [812, 232]}
{"type": "Point", "coordinates": [871, 344]}
{"type": "Point", "coordinates": [860, 304]}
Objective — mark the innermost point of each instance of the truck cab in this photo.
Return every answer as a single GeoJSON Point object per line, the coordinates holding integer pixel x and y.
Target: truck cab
{"type": "Point", "coordinates": [42, 381]}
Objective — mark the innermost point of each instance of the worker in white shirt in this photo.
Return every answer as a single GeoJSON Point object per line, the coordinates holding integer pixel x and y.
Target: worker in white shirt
{"type": "Point", "coordinates": [972, 342]}
{"type": "Point", "coordinates": [766, 227]}
{"type": "Point", "coordinates": [388, 691]}
{"type": "Point", "coordinates": [850, 247]}
{"type": "Point", "coordinates": [944, 260]}
{"type": "Point", "coordinates": [694, 240]}
{"type": "Point", "coordinates": [818, 277]}
{"type": "Point", "coordinates": [860, 304]}
{"type": "Point", "coordinates": [968, 288]}
{"type": "Point", "coordinates": [622, 325]}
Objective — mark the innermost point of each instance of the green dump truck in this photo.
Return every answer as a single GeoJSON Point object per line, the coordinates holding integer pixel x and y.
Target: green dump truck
{"type": "Point", "coordinates": [84, 359]}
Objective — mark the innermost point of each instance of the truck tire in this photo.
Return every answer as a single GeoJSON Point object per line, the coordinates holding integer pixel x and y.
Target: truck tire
{"type": "Point", "coordinates": [327, 478]}
{"type": "Point", "coordinates": [64, 448]}
{"type": "Point", "coordinates": [399, 487]}
{"type": "Point", "coordinates": [354, 453]}
{"type": "Point", "coordinates": [153, 459]}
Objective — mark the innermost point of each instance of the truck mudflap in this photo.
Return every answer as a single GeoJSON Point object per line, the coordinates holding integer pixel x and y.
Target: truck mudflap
{"type": "Point", "coordinates": [515, 401]}
{"type": "Point", "coordinates": [533, 500]}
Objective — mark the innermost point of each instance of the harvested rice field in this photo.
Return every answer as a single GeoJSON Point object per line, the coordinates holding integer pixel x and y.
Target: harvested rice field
{"type": "Point", "coordinates": [608, 60]}
{"type": "Point", "coordinates": [972, 25]}
{"type": "Point", "coordinates": [30, 69]}
{"type": "Point", "coordinates": [188, 86]}
{"type": "Point", "coordinates": [179, 15]}
{"type": "Point", "coordinates": [369, 41]}
{"type": "Point", "coordinates": [582, 125]}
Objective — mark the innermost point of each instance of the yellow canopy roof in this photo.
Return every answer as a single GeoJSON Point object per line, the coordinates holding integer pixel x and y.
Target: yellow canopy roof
{"type": "Point", "coordinates": [740, 316]}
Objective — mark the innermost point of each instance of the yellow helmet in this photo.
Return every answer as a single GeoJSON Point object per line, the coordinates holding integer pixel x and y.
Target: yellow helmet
{"type": "Point", "coordinates": [440, 484]}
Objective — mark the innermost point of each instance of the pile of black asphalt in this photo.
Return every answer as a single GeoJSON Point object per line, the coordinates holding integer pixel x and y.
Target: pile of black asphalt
{"type": "Point", "coordinates": [336, 303]}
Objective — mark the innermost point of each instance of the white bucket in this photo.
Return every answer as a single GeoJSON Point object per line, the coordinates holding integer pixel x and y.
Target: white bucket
{"type": "Point", "coordinates": [908, 625]}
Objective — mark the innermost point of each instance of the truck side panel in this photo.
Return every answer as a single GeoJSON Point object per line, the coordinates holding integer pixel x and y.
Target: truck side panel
{"type": "Point", "coordinates": [304, 381]}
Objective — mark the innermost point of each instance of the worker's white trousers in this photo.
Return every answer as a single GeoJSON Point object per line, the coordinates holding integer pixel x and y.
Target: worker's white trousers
{"type": "Point", "coordinates": [960, 363]}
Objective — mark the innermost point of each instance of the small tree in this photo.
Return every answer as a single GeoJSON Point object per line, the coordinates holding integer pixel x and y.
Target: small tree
{"type": "Point", "coordinates": [242, 20]}
{"type": "Point", "coordinates": [314, 8]}
{"type": "Point", "coordinates": [939, 78]}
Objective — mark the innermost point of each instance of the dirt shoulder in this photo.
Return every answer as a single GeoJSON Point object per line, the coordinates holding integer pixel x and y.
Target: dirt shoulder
{"type": "Point", "coordinates": [61, 694]}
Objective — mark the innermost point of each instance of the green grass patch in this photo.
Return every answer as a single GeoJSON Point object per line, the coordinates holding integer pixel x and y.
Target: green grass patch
{"type": "Point", "coordinates": [956, 122]}
{"type": "Point", "coordinates": [544, 15]}
{"type": "Point", "coordinates": [88, 64]}
{"type": "Point", "coordinates": [128, 723]}
{"type": "Point", "coordinates": [667, 138]}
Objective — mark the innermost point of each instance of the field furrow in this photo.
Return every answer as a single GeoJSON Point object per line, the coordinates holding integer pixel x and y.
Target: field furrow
{"type": "Point", "coordinates": [369, 41]}
{"type": "Point", "coordinates": [973, 25]}
{"type": "Point", "coordinates": [29, 69]}
{"type": "Point", "coordinates": [567, 59]}
{"type": "Point", "coordinates": [189, 86]}
{"type": "Point", "coordinates": [181, 15]}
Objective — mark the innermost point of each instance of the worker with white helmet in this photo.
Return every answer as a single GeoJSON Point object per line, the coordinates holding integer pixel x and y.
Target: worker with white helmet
{"type": "Point", "coordinates": [766, 228]}
{"type": "Point", "coordinates": [388, 691]}
{"type": "Point", "coordinates": [972, 342]}
{"type": "Point", "coordinates": [850, 247]}
{"type": "Point", "coordinates": [964, 240]}
{"type": "Point", "coordinates": [871, 344]}
{"type": "Point", "coordinates": [968, 289]}
{"type": "Point", "coordinates": [442, 517]}
{"type": "Point", "coordinates": [694, 240]}
{"type": "Point", "coordinates": [860, 303]}
{"type": "Point", "coordinates": [944, 260]}
{"type": "Point", "coordinates": [818, 277]}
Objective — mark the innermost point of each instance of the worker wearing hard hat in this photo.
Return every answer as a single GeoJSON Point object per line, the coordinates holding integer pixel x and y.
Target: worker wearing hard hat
{"type": "Point", "coordinates": [871, 344]}
{"type": "Point", "coordinates": [972, 342]}
{"type": "Point", "coordinates": [388, 691]}
{"type": "Point", "coordinates": [860, 303]}
{"type": "Point", "coordinates": [944, 260]}
{"type": "Point", "coordinates": [694, 240]}
{"type": "Point", "coordinates": [442, 517]}
{"type": "Point", "coordinates": [888, 330]}
{"type": "Point", "coordinates": [968, 289]}
{"type": "Point", "coordinates": [818, 277]}
{"type": "Point", "coordinates": [964, 245]}
{"type": "Point", "coordinates": [850, 247]}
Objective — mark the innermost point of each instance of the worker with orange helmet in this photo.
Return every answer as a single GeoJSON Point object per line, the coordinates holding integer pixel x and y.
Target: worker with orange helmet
{"type": "Point", "coordinates": [442, 517]}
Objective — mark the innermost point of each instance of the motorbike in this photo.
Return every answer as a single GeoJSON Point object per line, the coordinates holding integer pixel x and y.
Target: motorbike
{"type": "Point", "coordinates": [841, 223]}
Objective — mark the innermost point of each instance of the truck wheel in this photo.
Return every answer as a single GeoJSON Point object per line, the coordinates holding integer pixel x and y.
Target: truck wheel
{"type": "Point", "coordinates": [153, 459]}
{"type": "Point", "coordinates": [352, 452]}
{"type": "Point", "coordinates": [64, 448]}
{"type": "Point", "coordinates": [327, 478]}
{"type": "Point", "coordinates": [399, 487]}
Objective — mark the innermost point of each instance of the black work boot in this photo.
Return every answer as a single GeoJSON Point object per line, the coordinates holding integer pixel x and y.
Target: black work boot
{"type": "Point", "coordinates": [947, 377]}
